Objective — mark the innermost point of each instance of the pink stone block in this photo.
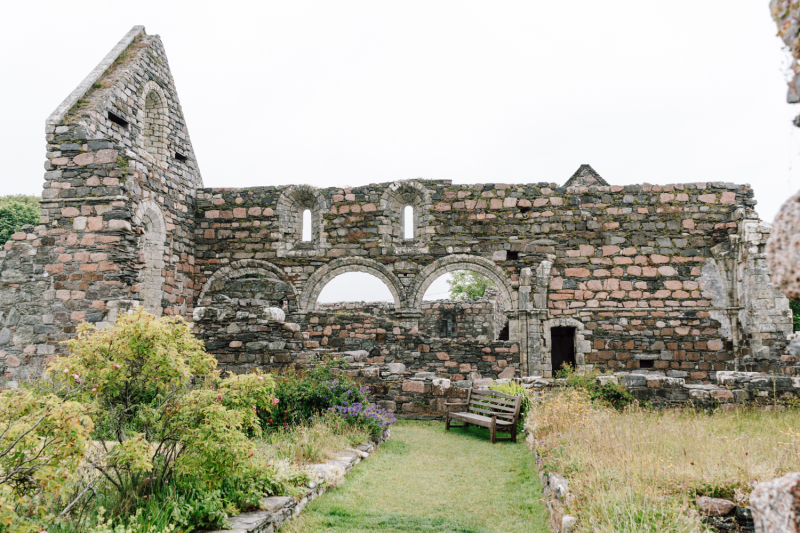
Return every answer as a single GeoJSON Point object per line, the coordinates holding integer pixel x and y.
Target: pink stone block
{"type": "Point", "coordinates": [708, 198]}
{"type": "Point", "coordinates": [728, 197]}
{"type": "Point", "coordinates": [83, 159]}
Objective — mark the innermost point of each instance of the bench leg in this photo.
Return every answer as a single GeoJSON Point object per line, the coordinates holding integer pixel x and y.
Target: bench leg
{"type": "Point", "coordinates": [447, 422]}
{"type": "Point", "coordinates": [493, 429]}
{"type": "Point", "coordinates": [514, 432]}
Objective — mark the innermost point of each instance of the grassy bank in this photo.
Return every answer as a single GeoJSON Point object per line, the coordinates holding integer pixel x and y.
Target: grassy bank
{"type": "Point", "coordinates": [426, 479]}
{"type": "Point", "coordinates": [642, 470]}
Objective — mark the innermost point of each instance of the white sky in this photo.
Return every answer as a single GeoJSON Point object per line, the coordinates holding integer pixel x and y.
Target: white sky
{"type": "Point", "coordinates": [351, 93]}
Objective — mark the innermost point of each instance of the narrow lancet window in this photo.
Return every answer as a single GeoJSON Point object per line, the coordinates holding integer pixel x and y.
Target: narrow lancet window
{"type": "Point", "coordinates": [408, 221]}
{"type": "Point", "coordinates": [307, 225]}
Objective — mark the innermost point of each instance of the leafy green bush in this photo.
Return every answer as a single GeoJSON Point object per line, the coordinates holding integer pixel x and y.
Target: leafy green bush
{"type": "Point", "coordinates": [164, 417]}
{"type": "Point", "coordinates": [614, 395]}
{"type": "Point", "coordinates": [43, 437]}
{"type": "Point", "coordinates": [795, 306]}
{"type": "Point", "coordinates": [515, 389]}
{"type": "Point", "coordinates": [14, 215]}
{"type": "Point", "coordinates": [303, 395]}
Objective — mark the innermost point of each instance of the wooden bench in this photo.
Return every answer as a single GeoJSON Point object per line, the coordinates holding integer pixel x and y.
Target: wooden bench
{"type": "Point", "coordinates": [490, 409]}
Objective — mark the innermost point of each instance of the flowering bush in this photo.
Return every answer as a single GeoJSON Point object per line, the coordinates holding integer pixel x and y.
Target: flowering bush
{"type": "Point", "coordinates": [301, 396]}
{"type": "Point", "coordinates": [376, 419]}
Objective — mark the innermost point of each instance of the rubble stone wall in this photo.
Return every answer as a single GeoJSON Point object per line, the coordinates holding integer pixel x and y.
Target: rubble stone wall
{"type": "Point", "coordinates": [662, 277]}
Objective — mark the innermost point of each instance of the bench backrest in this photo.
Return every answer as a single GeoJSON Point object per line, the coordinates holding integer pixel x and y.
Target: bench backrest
{"type": "Point", "coordinates": [493, 403]}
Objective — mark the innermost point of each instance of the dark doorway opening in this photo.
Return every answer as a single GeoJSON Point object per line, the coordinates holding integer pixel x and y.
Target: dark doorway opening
{"type": "Point", "coordinates": [563, 348]}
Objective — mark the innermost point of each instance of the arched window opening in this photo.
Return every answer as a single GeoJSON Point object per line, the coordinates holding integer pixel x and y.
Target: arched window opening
{"type": "Point", "coordinates": [408, 222]}
{"type": "Point", "coordinates": [307, 225]}
{"type": "Point", "coordinates": [155, 124]}
{"type": "Point", "coordinates": [355, 287]}
{"type": "Point", "coordinates": [463, 304]}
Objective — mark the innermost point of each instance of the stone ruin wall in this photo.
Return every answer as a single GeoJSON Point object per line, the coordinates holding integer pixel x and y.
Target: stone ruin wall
{"type": "Point", "coordinates": [672, 274]}
{"type": "Point", "coordinates": [117, 211]}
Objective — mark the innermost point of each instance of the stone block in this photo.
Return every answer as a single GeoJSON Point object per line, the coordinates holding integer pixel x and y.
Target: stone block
{"type": "Point", "coordinates": [776, 505]}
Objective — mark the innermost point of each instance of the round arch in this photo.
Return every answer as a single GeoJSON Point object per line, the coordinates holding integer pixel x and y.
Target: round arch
{"type": "Point", "coordinates": [242, 268]}
{"type": "Point", "coordinates": [475, 263]}
{"type": "Point", "coordinates": [154, 121]}
{"type": "Point", "coordinates": [317, 281]}
{"type": "Point", "coordinates": [150, 218]}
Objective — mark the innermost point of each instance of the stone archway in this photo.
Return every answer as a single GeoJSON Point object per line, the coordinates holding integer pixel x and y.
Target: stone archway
{"type": "Point", "coordinates": [451, 263]}
{"type": "Point", "coordinates": [239, 269]}
{"type": "Point", "coordinates": [151, 219]}
{"type": "Point", "coordinates": [317, 281]}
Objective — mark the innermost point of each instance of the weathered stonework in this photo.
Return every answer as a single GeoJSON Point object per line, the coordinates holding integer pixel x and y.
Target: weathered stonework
{"type": "Point", "coordinates": [668, 278]}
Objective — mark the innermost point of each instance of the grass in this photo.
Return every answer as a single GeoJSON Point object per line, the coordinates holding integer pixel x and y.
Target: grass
{"type": "Point", "coordinates": [426, 479]}
{"type": "Point", "coordinates": [641, 470]}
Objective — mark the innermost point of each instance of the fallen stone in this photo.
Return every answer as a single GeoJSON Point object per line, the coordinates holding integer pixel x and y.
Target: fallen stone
{"type": "Point", "coordinates": [715, 506]}
{"type": "Point", "coordinates": [776, 505]}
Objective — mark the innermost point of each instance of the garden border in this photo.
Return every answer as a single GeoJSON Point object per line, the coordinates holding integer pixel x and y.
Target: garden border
{"type": "Point", "coordinates": [282, 509]}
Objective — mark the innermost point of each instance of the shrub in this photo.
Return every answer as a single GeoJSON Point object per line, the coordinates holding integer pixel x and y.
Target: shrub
{"type": "Point", "coordinates": [376, 419]}
{"type": "Point", "coordinates": [301, 396]}
{"type": "Point", "coordinates": [611, 394]}
{"type": "Point", "coordinates": [43, 438]}
{"type": "Point", "coordinates": [164, 417]}
{"type": "Point", "coordinates": [795, 306]}
{"type": "Point", "coordinates": [14, 215]}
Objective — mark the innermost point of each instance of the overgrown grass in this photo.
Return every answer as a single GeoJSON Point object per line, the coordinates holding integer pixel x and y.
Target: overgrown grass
{"type": "Point", "coordinates": [426, 479]}
{"type": "Point", "coordinates": [313, 443]}
{"type": "Point", "coordinates": [641, 470]}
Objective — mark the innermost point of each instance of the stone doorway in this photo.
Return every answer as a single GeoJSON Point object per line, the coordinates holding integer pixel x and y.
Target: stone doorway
{"type": "Point", "coordinates": [563, 348]}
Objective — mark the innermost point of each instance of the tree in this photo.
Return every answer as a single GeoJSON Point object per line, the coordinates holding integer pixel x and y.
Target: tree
{"type": "Point", "coordinates": [15, 212]}
{"type": "Point", "coordinates": [466, 284]}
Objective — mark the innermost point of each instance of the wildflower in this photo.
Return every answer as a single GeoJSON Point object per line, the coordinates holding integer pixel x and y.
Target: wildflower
{"type": "Point", "coordinates": [275, 401]}
{"type": "Point", "coordinates": [77, 378]}
{"type": "Point", "coordinates": [219, 397]}
{"type": "Point", "coordinates": [270, 420]}
{"type": "Point", "coordinates": [261, 379]}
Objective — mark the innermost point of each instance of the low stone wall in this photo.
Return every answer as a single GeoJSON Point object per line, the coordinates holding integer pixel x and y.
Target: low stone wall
{"type": "Point", "coordinates": [278, 510]}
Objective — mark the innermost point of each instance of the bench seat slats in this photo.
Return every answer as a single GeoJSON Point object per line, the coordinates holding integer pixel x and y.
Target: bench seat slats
{"type": "Point", "coordinates": [498, 408]}
{"type": "Point", "coordinates": [490, 412]}
{"type": "Point", "coordinates": [494, 399]}
{"type": "Point", "coordinates": [478, 419]}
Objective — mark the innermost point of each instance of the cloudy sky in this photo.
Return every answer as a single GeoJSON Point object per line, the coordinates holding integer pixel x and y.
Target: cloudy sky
{"type": "Point", "coordinates": [351, 93]}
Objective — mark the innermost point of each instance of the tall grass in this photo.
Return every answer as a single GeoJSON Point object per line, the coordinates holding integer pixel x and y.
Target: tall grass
{"type": "Point", "coordinates": [641, 470]}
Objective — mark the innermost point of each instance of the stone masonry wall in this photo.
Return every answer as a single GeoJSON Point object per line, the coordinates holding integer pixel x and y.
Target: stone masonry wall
{"type": "Point", "coordinates": [670, 278]}
{"type": "Point", "coordinates": [116, 228]}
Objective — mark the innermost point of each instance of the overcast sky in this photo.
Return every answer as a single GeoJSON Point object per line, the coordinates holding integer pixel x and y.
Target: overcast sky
{"type": "Point", "coordinates": [350, 93]}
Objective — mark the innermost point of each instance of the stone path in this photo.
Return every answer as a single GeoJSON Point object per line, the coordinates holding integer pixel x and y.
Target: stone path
{"type": "Point", "coordinates": [425, 479]}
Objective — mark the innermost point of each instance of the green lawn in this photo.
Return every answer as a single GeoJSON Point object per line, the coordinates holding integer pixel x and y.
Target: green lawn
{"type": "Point", "coordinates": [425, 479]}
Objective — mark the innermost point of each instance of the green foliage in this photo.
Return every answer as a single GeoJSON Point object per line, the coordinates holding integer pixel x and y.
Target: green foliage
{"type": "Point", "coordinates": [301, 396]}
{"type": "Point", "coordinates": [795, 306]}
{"type": "Point", "coordinates": [43, 437]}
{"type": "Point", "coordinates": [163, 415]}
{"type": "Point", "coordinates": [614, 395]}
{"type": "Point", "coordinates": [515, 389]}
{"type": "Point", "coordinates": [466, 284]}
{"type": "Point", "coordinates": [15, 212]}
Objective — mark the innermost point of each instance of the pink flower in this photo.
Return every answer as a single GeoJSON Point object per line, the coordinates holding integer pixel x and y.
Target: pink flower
{"type": "Point", "coordinates": [275, 401]}
{"type": "Point", "coordinates": [260, 379]}
{"type": "Point", "coordinates": [219, 397]}
{"type": "Point", "coordinates": [77, 378]}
